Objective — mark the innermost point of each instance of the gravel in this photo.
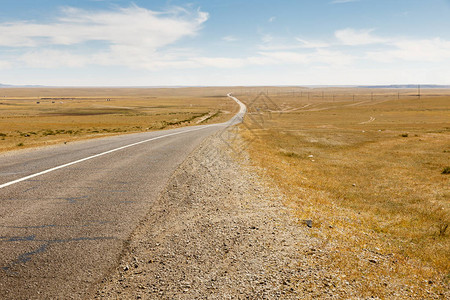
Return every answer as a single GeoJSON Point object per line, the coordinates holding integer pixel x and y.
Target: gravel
{"type": "Point", "coordinates": [216, 233]}
{"type": "Point", "coordinates": [219, 232]}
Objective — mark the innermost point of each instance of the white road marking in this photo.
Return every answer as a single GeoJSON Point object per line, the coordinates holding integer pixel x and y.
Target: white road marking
{"type": "Point", "coordinates": [97, 155]}
{"type": "Point", "coordinates": [238, 117]}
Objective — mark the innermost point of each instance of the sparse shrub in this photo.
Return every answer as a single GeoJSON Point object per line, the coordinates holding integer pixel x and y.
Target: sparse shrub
{"type": "Point", "coordinates": [2, 134]}
{"type": "Point", "coordinates": [48, 132]}
{"type": "Point", "coordinates": [442, 229]}
{"type": "Point", "coordinates": [210, 117]}
{"type": "Point", "coordinates": [19, 144]}
{"type": "Point", "coordinates": [404, 135]}
{"type": "Point", "coordinates": [446, 170]}
{"type": "Point", "coordinates": [290, 154]}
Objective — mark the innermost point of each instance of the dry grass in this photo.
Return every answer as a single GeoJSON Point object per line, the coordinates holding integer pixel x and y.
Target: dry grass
{"type": "Point", "coordinates": [369, 173]}
{"type": "Point", "coordinates": [64, 115]}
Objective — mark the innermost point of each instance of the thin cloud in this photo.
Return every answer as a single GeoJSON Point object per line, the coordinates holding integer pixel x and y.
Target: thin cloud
{"type": "Point", "coordinates": [229, 38]}
{"type": "Point", "coordinates": [319, 56]}
{"type": "Point", "coordinates": [267, 38]}
{"type": "Point", "coordinates": [354, 37]}
{"type": "Point", "coordinates": [343, 1]}
{"type": "Point", "coordinates": [425, 50]}
{"type": "Point", "coordinates": [4, 65]}
{"type": "Point", "coordinates": [220, 62]}
{"type": "Point", "coordinates": [312, 44]}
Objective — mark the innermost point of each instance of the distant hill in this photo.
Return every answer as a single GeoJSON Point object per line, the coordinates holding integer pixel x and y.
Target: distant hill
{"type": "Point", "coordinates": [18, 86]}
{"type": "Point", "coordinates": [406, 86]}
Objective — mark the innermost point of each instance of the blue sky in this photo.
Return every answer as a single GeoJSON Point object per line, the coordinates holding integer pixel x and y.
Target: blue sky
{"type": "Point", "coordinates": [226, 42]}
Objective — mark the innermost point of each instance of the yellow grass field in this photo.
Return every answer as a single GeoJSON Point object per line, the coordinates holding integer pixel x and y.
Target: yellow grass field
{"type": "Point", "coordinates": [368, 167]}
{"type": "Point", "coordinates": [31, 117]}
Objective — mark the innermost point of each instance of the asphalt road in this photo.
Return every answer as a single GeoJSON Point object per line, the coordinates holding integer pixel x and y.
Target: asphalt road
{"type": "Point", "coordinates": [67, 211]}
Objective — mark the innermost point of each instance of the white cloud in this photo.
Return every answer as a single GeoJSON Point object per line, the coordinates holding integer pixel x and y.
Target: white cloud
{"type": "Point", "coordinates": [266, 38]}
{"type": "Point", "coordinates": [5, 65]}
{"type": "Point", "coordinates": [53, 58]}
{"type": "Point", "coordinates": [229, 38]}
{"type": "Point", "coordinates": [126, 26]}
{"type": "Point", "coordinates": [333, 57]}
{"type": "Point", "coordinates": [297, 44]}
{"type": "Point", "coordinates": [131, 35]}
{"type": "Point", "coordinates": [272, 19]}
{"type": "Point", "coordinates": [353, 37]}
{"type": "Point", "coordinates": [286, 57]}
{"type": "Point", "coordinates": [220, 62]}
{"type": "Point", "coordinates": [427, 50]}
{"type": "Point", "coordinates": [319, 56]}
{"type": "Point", "coordinates": [312, 44]}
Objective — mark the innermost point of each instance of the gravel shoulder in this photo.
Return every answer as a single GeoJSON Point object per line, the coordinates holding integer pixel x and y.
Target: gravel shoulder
{"type": "Point", "coordinates": [221, 231]}
{"type": "Point", "coordinates": [216, 233]}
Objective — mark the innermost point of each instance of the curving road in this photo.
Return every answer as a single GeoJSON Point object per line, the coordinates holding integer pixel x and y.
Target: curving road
{"type": "Point", "coordinates": [67, 211]}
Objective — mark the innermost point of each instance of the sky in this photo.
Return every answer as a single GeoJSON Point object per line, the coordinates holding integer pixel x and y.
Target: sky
{"type": "Point", "coordinates": [224, 42]}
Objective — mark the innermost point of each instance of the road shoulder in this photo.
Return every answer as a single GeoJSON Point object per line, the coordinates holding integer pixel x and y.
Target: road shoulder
{"type": "Point", "coordinates": [216, 232]}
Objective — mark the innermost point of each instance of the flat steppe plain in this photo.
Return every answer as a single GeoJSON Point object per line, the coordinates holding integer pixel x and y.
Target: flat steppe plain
{"type": "Point", "coordinates": [369, 168]}
{"type": "Point", "coordinates": [31, 117]}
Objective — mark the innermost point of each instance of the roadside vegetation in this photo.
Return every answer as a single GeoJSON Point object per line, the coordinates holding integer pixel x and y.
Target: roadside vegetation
{"type": "Point", "coordinates": [371, 173]}
{"type": "Point", "coordinates": [36, 117]}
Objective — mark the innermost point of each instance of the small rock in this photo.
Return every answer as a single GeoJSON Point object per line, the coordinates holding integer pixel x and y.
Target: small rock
{"type": "Point", "coordinates": [308, 223]}
{"type": "Point", "coordinates": [354, 184]}
{"type": "Point", "coordinates": [373, 261]}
